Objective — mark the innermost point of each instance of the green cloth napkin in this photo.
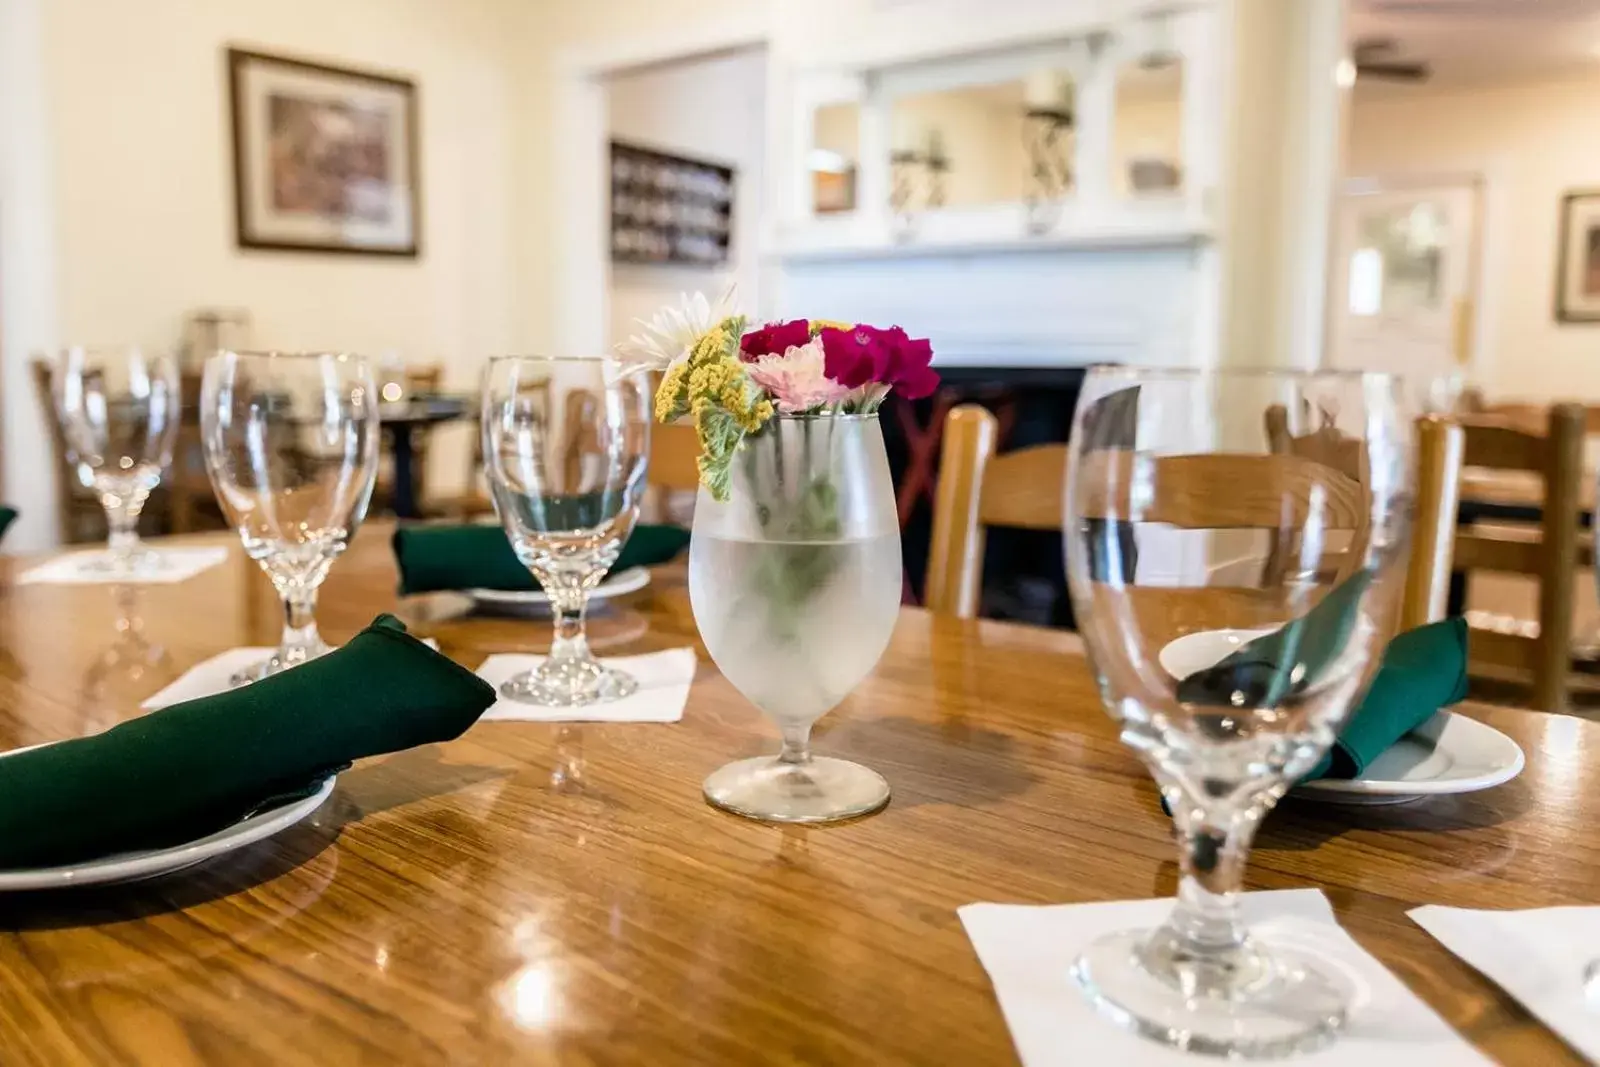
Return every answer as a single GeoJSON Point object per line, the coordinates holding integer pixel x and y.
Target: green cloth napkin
{"type": "Point", "coordinates": [480, 557]}
{"type": "Point", "coordinates": [1422, 671]}
{"type": "Point", "coordinates": [194, 768]}
{"type": "Point", "coordinates": [7, 517]}
{"type": "Point", "coordinates": [1285, 662]}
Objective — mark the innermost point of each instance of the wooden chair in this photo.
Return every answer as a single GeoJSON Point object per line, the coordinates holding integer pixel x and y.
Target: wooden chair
{"type": "Point", "coordinates": [978, 489]}
{"type": "Point", "coordinates": [1328, 446]}
{"type": "Point", "coordinates": [1552, 558]}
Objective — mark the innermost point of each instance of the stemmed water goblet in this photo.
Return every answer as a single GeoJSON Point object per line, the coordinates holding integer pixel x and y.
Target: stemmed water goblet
{"type": "Point", "coordinates": [1234, 603]}
{"type": "Point", "coordinates": [565, 443]}
{"type": "Point", "coordinates": [291, 444]}
{"type": "Point", "coordinates": [795, 582]}
{"type": "Point", "coordinates": [118, 410]}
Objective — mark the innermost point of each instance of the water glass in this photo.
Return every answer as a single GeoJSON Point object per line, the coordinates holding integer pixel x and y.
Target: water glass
{"type": "Point", "coordinates": [291, 444]}
{"type": "Point", "coordinates": [1235, 602]}
{"type": "Point", "coordinates": [565, 443]}
{"type": "Point", "coordinates": [119, 410]}
{"type": "Point", "coordinates": [795, 584]}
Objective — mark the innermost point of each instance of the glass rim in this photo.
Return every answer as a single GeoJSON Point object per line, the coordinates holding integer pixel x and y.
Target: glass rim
{"type": "Point", "coordinates": [1266, 373]}
{"type": "Point", "coordinates": [820, 416]}
{"type": "Point", "coordinates": [120, 347]}
{"type": "Point", "coordinates": [514, 358]}
{"type": "Point", "coordinates": [285, 354]}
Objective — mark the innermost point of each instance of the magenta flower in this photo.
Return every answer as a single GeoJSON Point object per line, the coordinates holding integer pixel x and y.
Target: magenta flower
{"type": "Point", "coordinates": [774, 339]}
{"type": "Point", "coordinates": [867, 356]}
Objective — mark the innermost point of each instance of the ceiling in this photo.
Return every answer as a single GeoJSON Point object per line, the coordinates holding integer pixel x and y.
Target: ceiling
{"type": "Point", "coordinates": [1470, 42]}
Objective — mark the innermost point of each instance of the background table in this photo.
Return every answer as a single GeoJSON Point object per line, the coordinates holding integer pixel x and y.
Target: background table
{"type": "Point", "coordinates": [534, 893]}
{"type": "Point", "coordinates": [398, 421]}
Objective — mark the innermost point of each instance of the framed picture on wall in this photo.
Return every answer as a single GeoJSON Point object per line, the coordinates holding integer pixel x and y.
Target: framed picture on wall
{"type": "Point", "coordinates": [324, 158]}
{"type": "Point", "coordinates": [1578, 279]}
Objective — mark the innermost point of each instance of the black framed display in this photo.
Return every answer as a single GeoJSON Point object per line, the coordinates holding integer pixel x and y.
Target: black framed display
{"type": "Point", "coordinates": [669, 209]}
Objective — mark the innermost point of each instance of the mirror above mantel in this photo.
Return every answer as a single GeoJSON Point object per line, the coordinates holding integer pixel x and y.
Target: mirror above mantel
{"type": "Point", "coordinates": [1082, 142]}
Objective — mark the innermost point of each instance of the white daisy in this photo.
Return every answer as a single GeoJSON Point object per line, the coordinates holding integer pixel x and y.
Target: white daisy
{"type": "Point", "coordinates": [672, 332]}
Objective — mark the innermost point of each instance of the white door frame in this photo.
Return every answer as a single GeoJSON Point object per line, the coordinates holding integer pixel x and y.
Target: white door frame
{"type": "Point", "coordinates": [1483, 308]}
{"type": "Point", "coordinates": [582, 179]}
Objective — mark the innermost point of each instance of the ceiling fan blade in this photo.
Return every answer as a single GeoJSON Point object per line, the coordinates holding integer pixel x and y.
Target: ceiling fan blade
{"type": "Point", "coordinates": [1403, 72]}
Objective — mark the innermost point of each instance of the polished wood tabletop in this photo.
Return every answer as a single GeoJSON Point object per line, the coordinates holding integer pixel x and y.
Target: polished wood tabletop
{"type": "Point", "coordinates": [538, 893]}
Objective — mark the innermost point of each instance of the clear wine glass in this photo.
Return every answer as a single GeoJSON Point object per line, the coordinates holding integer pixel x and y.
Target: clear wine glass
{"type": "Point", "coordinates": [291, 444]}
{"type": "Point", "coordinates": [1234, 603]}
{"type": "Point", "coordinates": [795, 582]}
{"type": "Point", "coordinates": [119, 410]}
{"type": "Point", "coordinates": [565, 442]}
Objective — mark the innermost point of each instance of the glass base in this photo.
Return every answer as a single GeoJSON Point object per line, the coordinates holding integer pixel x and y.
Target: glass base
{"type": "Point", "coordinates": [277, 663]}
{"type": "Point", "coordinates": [1254, 1003]}
{"type": "Point", "coordinates": [569, 683]}
{"type": "Point", "coordinates": [139, 563]}
{"type": "Point", "coordinates": [819, 790]}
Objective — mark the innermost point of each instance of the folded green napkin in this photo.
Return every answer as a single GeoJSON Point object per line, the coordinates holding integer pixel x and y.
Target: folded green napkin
{"type": "Point", "coordinates": [1285, 662]}
{"type": "Point", "coordinates": [1422, 671]}
{"type": "Point", "coordinates": [194, 768]}
{"type": "Point", "coordinates": [7, 517]}
{"type": "Point", "coordinates": [480, 557]}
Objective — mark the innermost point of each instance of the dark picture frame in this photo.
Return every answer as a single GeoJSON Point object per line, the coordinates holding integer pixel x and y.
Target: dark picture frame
{"type": "Point", "coordinates": [325, 158]}
{"type": "Point", "coordinates": [1578, 265]}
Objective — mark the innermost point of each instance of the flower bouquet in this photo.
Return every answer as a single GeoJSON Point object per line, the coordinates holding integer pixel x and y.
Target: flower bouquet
{"type": "Point", "coordinates": [794, 562]}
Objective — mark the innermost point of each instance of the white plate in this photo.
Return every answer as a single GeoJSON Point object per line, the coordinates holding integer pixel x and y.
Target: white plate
{"type": "Point", "coordinates": [136, 866]}
{"type": "Point", "coordinates": [1449, 753]}
{"type": "Point", "coordinates": [629, 581]}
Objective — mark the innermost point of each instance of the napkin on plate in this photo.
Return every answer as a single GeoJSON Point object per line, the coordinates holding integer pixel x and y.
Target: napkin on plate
{"type": "Point", "coordinates": [479, 556]}
{"type": "Point", "coordinates": [1541, 956]}
{"type": "Point", "coordinates": [1422, 671]}
{"type": "Point", "coordinates": [194, 768]}
{"type": "Point", "coordinates": [1028, 953]}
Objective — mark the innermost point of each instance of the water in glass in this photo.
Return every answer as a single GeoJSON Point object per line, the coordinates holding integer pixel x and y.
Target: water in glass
{"type": "Point", "coordinates": [795, 582]}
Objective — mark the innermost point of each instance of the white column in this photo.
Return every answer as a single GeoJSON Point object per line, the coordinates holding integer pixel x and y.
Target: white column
{"type": "Point", "coordinates": [28, 302]}
{"type": "Point", "coordinates": [1283, 138]}
{"type": "Point", "coordinates": [1096, 113]}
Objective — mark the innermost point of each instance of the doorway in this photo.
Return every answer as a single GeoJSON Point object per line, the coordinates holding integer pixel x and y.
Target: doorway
{"type": "Point", "coordinates": [1405, 296]}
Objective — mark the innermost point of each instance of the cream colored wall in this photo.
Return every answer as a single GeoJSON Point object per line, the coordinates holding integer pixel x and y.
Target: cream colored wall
{"type": "Point", "coordinates": [144, 186]}
{"type": "Point", "coordinates": [712, 109]}
{"type": "Point", "coordinates": [1533, 142]}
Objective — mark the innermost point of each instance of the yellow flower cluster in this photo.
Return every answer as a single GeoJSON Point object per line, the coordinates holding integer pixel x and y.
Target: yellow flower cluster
{"type": "Point", "coordinates": [818, 325]}
{"type": "Point", "coordinates": [713, 386]}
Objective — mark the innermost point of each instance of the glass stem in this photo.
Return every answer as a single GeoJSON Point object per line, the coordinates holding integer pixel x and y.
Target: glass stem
{"type": "Point", "coordinates": [796, 743]}
{"type": "Point", "coordinates": [569, 608]}
{"type": "Point", "coordinates": [122, 524]}
{"type": "Point", "coordinates": [1212, 853]}
{"type": "Point", "coordinates": [301, 641]}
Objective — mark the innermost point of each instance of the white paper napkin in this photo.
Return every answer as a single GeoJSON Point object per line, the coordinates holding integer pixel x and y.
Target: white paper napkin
{"type": "Point", "coordinates": [215, 675]}
{"type": "Point", "coordinates": [1538, 956]}
{"type": "Point", "coordinates": [177, 565]}
{"type": "Point", "coordinates": [664, 681]}
{"type": "Point", "coordinates": [1029, 950]}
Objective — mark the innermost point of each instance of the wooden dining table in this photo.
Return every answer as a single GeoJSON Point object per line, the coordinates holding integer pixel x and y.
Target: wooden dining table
{"type": "Point", "coordinates": [543, 893]}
